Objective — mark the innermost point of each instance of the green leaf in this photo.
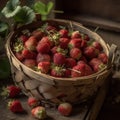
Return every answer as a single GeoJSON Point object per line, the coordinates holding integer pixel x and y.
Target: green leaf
{"type": "Point", "coordinates": [25, 15]}
{"type": "Point", "coordinates": [49, 6]}
{"type": "Point", "coordinates": [40, 8]}
{"type": "Point", "coordinates": [12, 8]}
{"type": "Point", "coordinates": [4, 68]}
{"type": "Point", "coordinates": [3, 27]}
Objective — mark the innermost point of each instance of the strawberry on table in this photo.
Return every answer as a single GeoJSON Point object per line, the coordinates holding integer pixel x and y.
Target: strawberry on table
{"type": "Point", "coordinates": [39, 112]}
{"type": "Point", "coordinates": [65, 109]}
{"type": "Point", "coordinates": [11, 91]}
{"type": "Point", "coordinates": [33, 102]}
{"type": "Point", "coordinates": [15, 106]}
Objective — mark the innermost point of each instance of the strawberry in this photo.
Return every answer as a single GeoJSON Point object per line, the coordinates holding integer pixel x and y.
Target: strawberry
{"type": "Point", "coordinates": [103, 57]}
{"type": "Point", "coordinates": [32, 102]}
{"type": "Point", "coordinates": [23, 38]}
{"type": "Point", "coordinates": [75, 43]}
{"type": "Point", "coordinates": [31, 43]}
{"type": "Point", "coordinates": [91, 52]}
{"type": "Point", "coordinates": [67, 73]}
{"type": "Point", "coordinates": [11, 91]}
{"type": "Point", "coordinates": [85, 37]}
{"type": "Point", "coordinates": [38, 34]}
{"type": "Point", "coordinates": [96, 64]}
{"type": "Point", "coordinates": [64, 43]}
{"type": "Point", "coordinates": [39, 112]}
{"type": "Point", "coordinates": [83, 58]}
{"type": "Point", "coordinates": [31, 63]}
{"type": "Point", "coordinates": [43, 47]}
{"type": "Point", "coordinates": [54, 49]}
{"type": "Point", "coordinates": [65, 109]}
{"type": "Point", "coordinates": [42, 57]}
{"type": "Point", "coordinates": [15, 106]}
{"type": "Point", "coordinates": [44, 67]}
{"type": "Point", "coordinates": [70, 62]}
{"type": "Point", "coordinates": [83, 43]}
{"type": "Point", "coordinates": [57, 71]}
{"type": "Point", "coordinates": [63, 33]}
{"type": "Point", "coordinates": [75, 34]}
{"type": "Point", "coordinates": [27, 54]}
{"type": "Point", "coordinates": [51, 28]}
{"type": "Point", "coordinates": [97, 45]}
{"type": "Point", "coordinates": [81, 69]}
{"type": "Point", "coordinates": [59, 59]}
{"type": "Point", "coordinates": [75, 53]}
{"type": "Point", "coordinates": [19, 56]}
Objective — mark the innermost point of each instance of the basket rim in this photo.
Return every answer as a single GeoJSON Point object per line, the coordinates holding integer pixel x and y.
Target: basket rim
{"type": "Point", "coordinates": [94, 75]}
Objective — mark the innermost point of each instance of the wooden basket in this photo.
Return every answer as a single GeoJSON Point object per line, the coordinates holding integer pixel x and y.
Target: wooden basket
{"type": "Point", "coordinates": [54, 90]}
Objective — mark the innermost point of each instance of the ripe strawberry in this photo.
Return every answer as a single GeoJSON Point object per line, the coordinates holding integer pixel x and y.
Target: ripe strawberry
{"type": "Point", "coordinates": [67, 73]}
{"type": "Point", "coordinates": [43, 47]}
{"type": "Point", "coordinates": [38, 34]}
{"type": "Point", "coordinates": [75, 43]}
{"type": "Point", "coordinates": [31, 43]}
{"type": "Point", "coordinates": [75, 34]}
{"type": "Point", "coordinates": [83, 43]}
{"type": "Point", "coordinates": [44, 67]}
{"type": "Point", "coordinates": [63, 33]}
{"type": "Point", "coordinates": [11, 91]}
{"type": "Point", "coordinates": [81, 69]}
{"type": "Point", "coordinates": [97, 45]}
{"type": "Point", "coordinates": [51, 28]}
{"type": "Point", "coordinates": [64, 43]}
{"type": "Point", "coordinates": [57, 71]}
{"type": "Point", "coordinates": [32, 102]}
{"type": "Point", "coordinates": [39, 112]}
{"type": "Point", "coordinates": [31, 63]}
{"type": "Point", "coordinates": [103, 57]}
{"type": "Point", "coordinates": [83, 58]}
{"type": "Point", "coordinates": [75, 53]}
{"type": "Point", "coordinates": [27, 54]}
{"type": "Point", "coordinates": [19, 56]}
{"type": "Point", "coordinates": [54, 49]}
{"type": "Point", "coordinates": [91, 52]}
{"type": "Point", "coordinates": [42, 57]}
{"type": "Point", "coordinates": [70, 62]}
{"type": "Point", "coordinates": [15, 106]}
{"type": "Point", "coordinates": [96, 64]}
{"type": "Point", "coordinates": [65, 109]}
{"type": "Point", "coordinates": [23, 38]}
{"type": "Point", "coordinates": [59, 59]}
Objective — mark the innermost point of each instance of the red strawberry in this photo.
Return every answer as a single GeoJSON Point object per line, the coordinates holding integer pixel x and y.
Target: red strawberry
{"type": "Point", "coordinates": [59, 59]}
{"type": "Point", "coordinates": [81, 69]}
{"type": "Point", "coordinates": [54, 49]}
{"type": "Point", "coordinates": [27, 54]}
{"type": "Point", "coordinates": [15, 106]}
{"type": "Point", "coordinates": [32, 102]}
{"type": "Point", "coordinates": [75, 43]}
{"type": "Point", "coordinates": [75, 53]}
{"type": "Point", "coordinates": [75, 34]}
{"type": "Point", "coordinates": [67, 73]}
{"type": "Point", "coordinates": [63, 33]}
{"type": "Point", "coordinates": [81, 62]}
{"type": "Point", "coordinates": [64, 43]}
{"type": "Point", "coordinates": [65, 109]}
{"type": "Point", "coordinates": [83, 43]}
{"type": "Point", "coordinates": [11, 91]}
{"type": "Point", "coordinates": [39, 112]}
{"type": "Point", "coordinates": [31, 43]}
{"type": "Point", "coordinates": [43, 47]}
{"type": "Point", "coordinates": [83, 58]}
{"type": "Point", "coordinates": [91, 52]}
{"type": "Point", "coordinates": [44, 67]}
{"type": "Point", "coordinates": [57, 71]}
{"type": "Point", "coordinates": [70, 62]}
{"type": "Point", "coordinates": [96, 64]}
{"type": "Point", "coordinates": [46, 39]}
{"type": "Point", "coordinates": [31, 63]}
{"type": "Point", "coordinates": [97, 45]}
{"type": "Point", "coordinates": [103, 57]}
{"type": "Point", "coordinates": [85, 37]}
{"type": "Point", "coordinates": [51, 28]}
{"type": "Point", "coordinates": [42, 57]}
{"type": "Point", "coordinates": [23, 38]}
{"type": "Point", "coordinates": [19, 56]}
{"type": "Point", "coordinates": [38, 34]}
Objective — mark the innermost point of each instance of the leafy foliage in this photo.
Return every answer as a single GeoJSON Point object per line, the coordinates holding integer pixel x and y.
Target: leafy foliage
{"type": "Point", "coordinates": [43, 9]}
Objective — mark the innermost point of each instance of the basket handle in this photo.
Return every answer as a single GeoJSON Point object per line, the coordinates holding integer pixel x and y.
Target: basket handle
{"type": "Point", "coordinates": [111, 56]}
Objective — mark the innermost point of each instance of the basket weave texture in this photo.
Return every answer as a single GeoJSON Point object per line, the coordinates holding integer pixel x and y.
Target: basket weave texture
{"type": "Point", "coordinates": [50, 89]}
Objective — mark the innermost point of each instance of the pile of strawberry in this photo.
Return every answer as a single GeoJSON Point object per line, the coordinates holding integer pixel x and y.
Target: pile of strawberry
{"type": "Point", "coordinates": [38, 111]}
{"type": "Point", "coordinates": [60, 52]}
